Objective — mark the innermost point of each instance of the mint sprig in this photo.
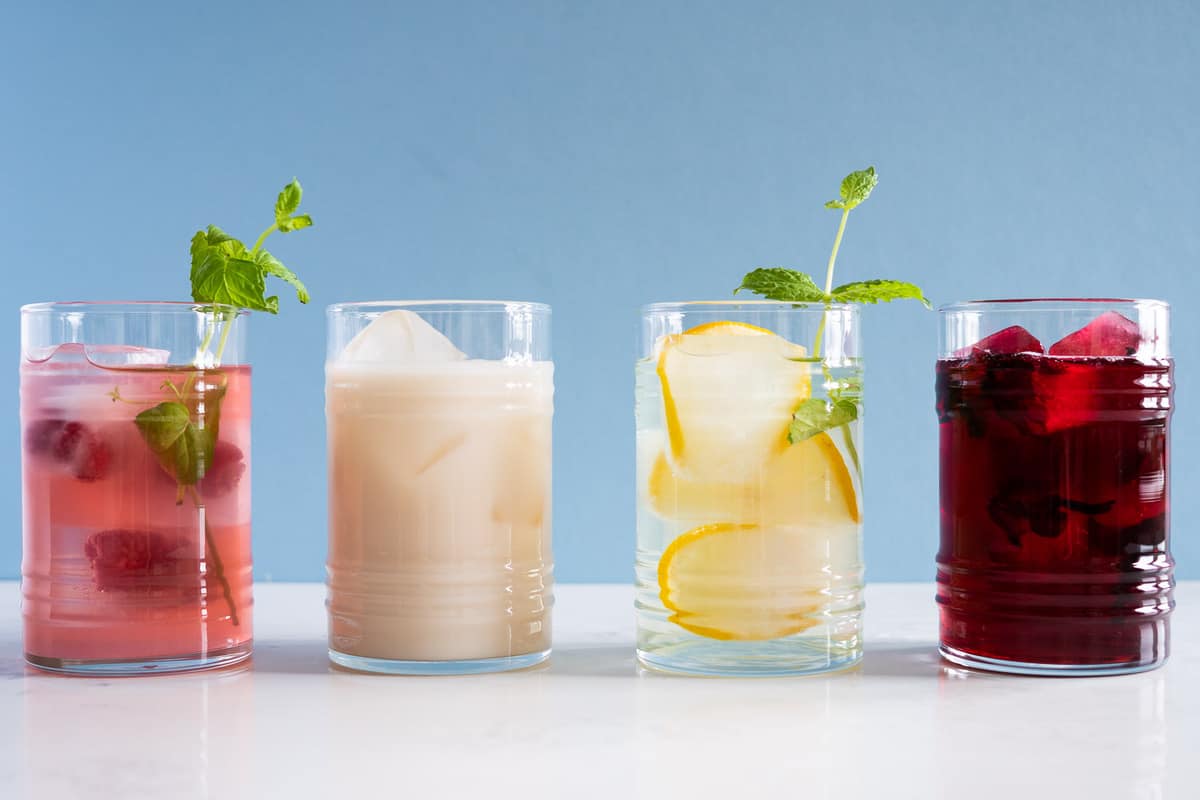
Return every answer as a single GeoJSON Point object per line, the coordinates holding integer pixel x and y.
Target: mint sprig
{"type": "Point", "coordinates": [182, 431]}
{"type": "Point", "coordinates": [793, 286]}
{"type": "Point", "coordinates": [817, 415]}
{"type": "Point", "coordinates": [225, 272]}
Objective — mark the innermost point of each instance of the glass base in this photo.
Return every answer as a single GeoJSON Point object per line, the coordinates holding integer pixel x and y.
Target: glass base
{"type": "Point", "coordinates": [965, 659]}
{"type": "Point", "coordinates": [388, 666]}
{"type": "Point", "coordinates": [747, 659]}
{"type": "Point", "coordinates": [152, 666]}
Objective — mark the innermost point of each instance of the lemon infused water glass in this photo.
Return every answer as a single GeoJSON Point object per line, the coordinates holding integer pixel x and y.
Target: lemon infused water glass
{"type": "Point", "coordinates": [749, 524]}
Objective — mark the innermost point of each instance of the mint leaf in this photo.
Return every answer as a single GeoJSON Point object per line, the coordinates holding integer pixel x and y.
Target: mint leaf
{"type": "Point", "coordinates": [856, 187]}
{"type": "Point", "coordinates": [294, 224]}
{"type": "Point", "coordinates": [219, 238]}
{"type": "Point", "coordinates": [815, 416]}
{"type": "Point", "coordinates": [285, 207]}
{"type": "Point", "coordinates": [878, 291]}
{"type": "Point", "coordinates": [213, 238]}
{"type": "Point", "coordinates": [215, 241]}
{"type": "Point", "coordinates": [287, 202]}
{"type": "Point", "coordinates": [199, 246]}
{"type": "Point", "coordinates": [230, 281]}
{"type": "Point", "coordinates": [273, 266]}
{"type": "Point", "coordinates": [183, 449]}
{"type": "Point", "coordinates": [778, 283]}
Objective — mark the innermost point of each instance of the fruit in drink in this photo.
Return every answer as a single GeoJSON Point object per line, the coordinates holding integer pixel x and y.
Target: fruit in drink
{"type": "Point", "coordinates": [765, 512]}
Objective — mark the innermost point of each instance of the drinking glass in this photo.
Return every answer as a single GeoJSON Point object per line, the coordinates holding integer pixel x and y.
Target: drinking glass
{"type": "Point", "coordinates": [439, 417]}
{"type": "Point", "coordinates": [1054, 555]}
{"type": "Point", "coordinates": [136, 487]}
{"type": "Point", "coordinates": [749, 480]}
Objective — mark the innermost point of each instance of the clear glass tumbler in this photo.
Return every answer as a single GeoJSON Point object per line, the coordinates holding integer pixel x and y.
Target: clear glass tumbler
{"type": "Point", "coordinates": [749, 513]}
{"type": "Point", "coordinates": [136, 487]}
{"type": "Point", "coordinates": [1054, 426]}
{"type": "Point", "coordinates": [439, 417]}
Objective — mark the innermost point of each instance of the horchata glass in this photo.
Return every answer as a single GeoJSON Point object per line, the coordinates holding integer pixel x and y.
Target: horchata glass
{"type": "Point", "coordinates": [439, 486]}
{"type": "Point", "coordinates": [136, 487]}
{"type": "Point", "coordinates": [1054, 426]}
{"type": "Point", "coordinates": [749, 486]}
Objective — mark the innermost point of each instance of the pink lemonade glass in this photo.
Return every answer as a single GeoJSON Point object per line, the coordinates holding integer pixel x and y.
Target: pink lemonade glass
{"type": "Point", "coordinates": [1054, 554]}
{"type": "Point", "coordinates": [135, 422]}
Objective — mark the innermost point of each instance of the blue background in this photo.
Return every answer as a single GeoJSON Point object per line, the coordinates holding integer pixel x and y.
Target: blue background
{"type": "Point", "coordinates": [597, 157]}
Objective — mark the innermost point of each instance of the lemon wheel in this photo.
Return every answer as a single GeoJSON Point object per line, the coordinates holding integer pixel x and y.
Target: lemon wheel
{"type": "Point", "coordinates": [735, 582]}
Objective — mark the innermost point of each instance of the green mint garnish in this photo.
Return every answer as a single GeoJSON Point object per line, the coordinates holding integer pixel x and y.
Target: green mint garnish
{"type": "Point", "coordinates": [817, 415]}
{"type": "Point", "coordinates": [225, 272]}
{"type": "Point", "coordinates": [792, 286]}
{"type": "Point", "coordinates": [856, 187]}
{"type": "Point", "coordinates": [183, 448]}
{"type": "Point", "coordinates": [221, 273]}
{"type": "Point", "coordinates": [779, 283]}
{"type": "Point", "coordinates": [880, 290]}
{"type": "Point", "coordinates": [182, 431]}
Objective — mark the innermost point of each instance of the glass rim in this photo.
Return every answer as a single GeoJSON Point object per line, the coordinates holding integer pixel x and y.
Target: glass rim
{"type": "Point", "coordinates": [758, 305]}
{"type": "Point", "coordinates": [442, 306]}
{"type": "Point", "coordinates": [1050, 303]}
{"type": "Point", "coordinates": [128, 307]}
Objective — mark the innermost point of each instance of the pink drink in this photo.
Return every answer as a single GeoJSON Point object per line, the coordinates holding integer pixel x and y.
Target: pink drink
{"type": "Point", "coordinates": [119, 572]}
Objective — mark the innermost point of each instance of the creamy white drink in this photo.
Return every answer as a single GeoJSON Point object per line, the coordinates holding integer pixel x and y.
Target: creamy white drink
{"type": "Point", "coordinates": [439, 499]}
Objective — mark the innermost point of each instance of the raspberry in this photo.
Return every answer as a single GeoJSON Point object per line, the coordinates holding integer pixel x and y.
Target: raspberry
{"type": "Point", "coordinates": [85, 453]}
{"type": "Point", "coordinates": [125, 559]}
{"type": "Point", "coordinates": [225, 472]}
{"type": "Point", "coordinates": [72, 444]}
{"type": "Point", "coordinates": [40, 436]}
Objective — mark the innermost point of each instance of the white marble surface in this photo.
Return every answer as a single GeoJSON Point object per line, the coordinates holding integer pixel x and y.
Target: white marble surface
{"type": "Point", "coordinates": [590, 724]}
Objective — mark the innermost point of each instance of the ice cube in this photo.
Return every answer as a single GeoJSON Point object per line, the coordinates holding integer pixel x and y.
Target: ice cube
{"type": "Point", "coordinates": [1010, 341]}
{"type": "Point", "coordinates": [102, 355]}
{"type": "Point", "coordinates": [400, 336]}
{"type": "Point", "coordinates": [127, 356]}
{"type": "Point", "coordinates": [1110, 334]}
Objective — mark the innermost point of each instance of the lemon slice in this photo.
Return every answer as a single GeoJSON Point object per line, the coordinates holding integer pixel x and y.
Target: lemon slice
{"type": "Point", "coordinates": [729, 390]}
{"type": "Point", "coordinates": [740, 582]}
{"type": "Point", "coordinates": [765, 571]}
{"type": "Point", "coordinates": [807, 483]}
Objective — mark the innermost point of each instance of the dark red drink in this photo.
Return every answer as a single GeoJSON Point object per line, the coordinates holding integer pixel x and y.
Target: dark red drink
{"type": "Point", "coordinates": [1054, 503]}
